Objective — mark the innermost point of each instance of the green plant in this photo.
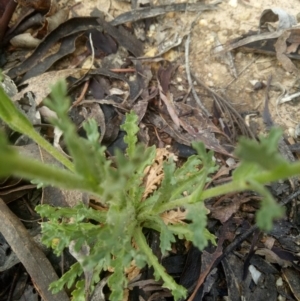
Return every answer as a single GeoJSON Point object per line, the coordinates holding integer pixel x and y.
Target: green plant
{"type": "Point", "coordinates": [112, 238]}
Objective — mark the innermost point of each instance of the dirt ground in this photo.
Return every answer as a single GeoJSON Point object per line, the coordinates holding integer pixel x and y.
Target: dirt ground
{"type": "Point", "coordinates": [228, 22]}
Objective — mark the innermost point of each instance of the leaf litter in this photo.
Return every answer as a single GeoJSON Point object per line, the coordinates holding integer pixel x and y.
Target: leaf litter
{"type": "Point", "coordinates": [138, 64]}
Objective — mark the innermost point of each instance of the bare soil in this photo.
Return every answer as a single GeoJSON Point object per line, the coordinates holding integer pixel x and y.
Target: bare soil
{"type": "Point", "coordinates": [231, 21]}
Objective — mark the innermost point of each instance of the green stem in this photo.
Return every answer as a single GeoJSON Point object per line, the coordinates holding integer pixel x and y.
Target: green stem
{"type": "Point", "coordinates": [177, 290]}
{"type": "Point", "coordinates": [35, 136]}
{"type": "Point", "coordinates": [278, 173]}
{"type": "Point", "coordinates": [20, 123]}
{"type": "Point", "coordinates": [30, 169]}
{"type": "Point", "coordinates": [234, 186]}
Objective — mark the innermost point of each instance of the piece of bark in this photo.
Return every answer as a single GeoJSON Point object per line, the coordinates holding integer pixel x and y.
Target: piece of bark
{"type": "Point", "coordinates": [6, 17]}
{"type": "Point", "coordinates": [31, 256]}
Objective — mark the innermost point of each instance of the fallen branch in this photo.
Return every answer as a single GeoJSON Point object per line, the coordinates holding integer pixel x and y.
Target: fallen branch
{"type": "Point", "coordinates": [31, 256]}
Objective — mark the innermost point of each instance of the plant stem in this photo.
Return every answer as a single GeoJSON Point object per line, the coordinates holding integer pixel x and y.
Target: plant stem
{"type": "Point", "coordinates": [234, 186]}
{"type": "Point", "coordinates": [265, 177]}
{"type": "Point", "coordinates": [35, 136]}
{"type": "Point", "coordinates": [158, 268]}
{"type": "Point", "coordinates": [20, 123]}
{"type": "Point", "coordinates": [30, 169]}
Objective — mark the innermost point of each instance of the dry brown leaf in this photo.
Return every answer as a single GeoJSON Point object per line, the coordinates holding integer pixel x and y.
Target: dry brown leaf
{"type": "Point", "coordinates": [40, 85]}
{"type": "Point", "coordinates": [154, 179]}
{"type": "Point", "coordinates": [269, 242]}
{"type": "Point", "coordinates": [272, 257]}
{"type": "Point", "coordinates": [132, 271]}
{"type": "Point", "coordinates": [40, 5]}
{"type": "Point", "coordinates": [168, 101]}
{"type": "Point", "coordinates": [154, 173]}
{"type": "Point", "coordinates": [285, 20]}
{"type": "Point", "coordinates": [175, 216]}
{"type": "Point", "coordinates": [164, 78]}
{"type": "Point", "coordinates": [229, 206]}
{"type": "Point", "coordinates": [223, 171]}
{"type": "Point", "coordinates": [291, 276]}
{"type": "Point", "coordinates": [292, 48]}
{"type": "Point", "coordinates": [281, 50]}
{"type": "Point", "coordinates": [247, 40]}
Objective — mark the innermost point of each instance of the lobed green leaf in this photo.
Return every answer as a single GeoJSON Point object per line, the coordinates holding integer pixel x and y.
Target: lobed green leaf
{"type": "Point", "coordinates": [67, 279]}
{"type": "Point", "coordinates": [131, 128]}
{"type": "Point", "coordinates": [197, 213]}
{"type": "Point", "coordinates": [264, 153]}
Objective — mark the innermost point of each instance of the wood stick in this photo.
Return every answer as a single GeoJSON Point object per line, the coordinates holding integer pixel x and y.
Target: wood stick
{"type": "Point", "coordinates": [31, 256]}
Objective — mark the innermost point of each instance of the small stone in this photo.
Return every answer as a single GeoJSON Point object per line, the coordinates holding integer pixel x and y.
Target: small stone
{"type": "Point", "coordinates": [233, 3]}
{"type": "Point", "coordinates": [279, 282]}
{"type": "Point", "coordinates": [152, 27]}
{"type": "Point", "coordinates": [230, 162]}
{"type": "Point", "coordinates": [203, 22]}
{"type": "Point", "coordinates": [291, 132]}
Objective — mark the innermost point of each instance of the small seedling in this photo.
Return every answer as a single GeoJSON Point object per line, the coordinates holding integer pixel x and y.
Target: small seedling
{"type": "Point", "coordinates": [111, 239]}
